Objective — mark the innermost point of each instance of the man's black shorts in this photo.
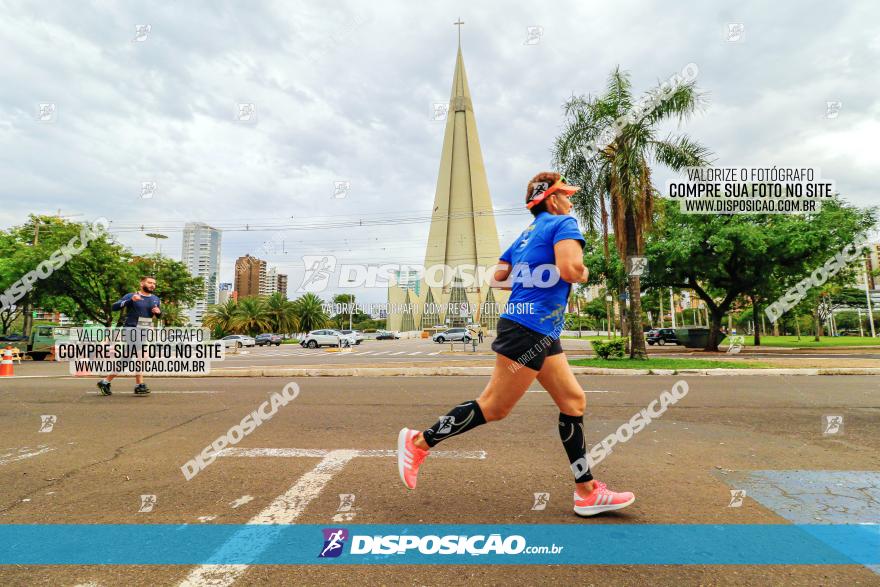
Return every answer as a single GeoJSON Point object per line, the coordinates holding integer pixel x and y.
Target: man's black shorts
{"type": "Point", "coordinates": [524, 345]}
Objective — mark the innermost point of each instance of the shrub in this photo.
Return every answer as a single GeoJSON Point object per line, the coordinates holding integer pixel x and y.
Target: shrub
{"type": "Point", "coordinates": [612, 349]}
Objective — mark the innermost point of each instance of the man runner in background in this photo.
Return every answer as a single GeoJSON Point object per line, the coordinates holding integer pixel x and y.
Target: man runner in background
{"type": "Point", "coordinates": [141, 306]}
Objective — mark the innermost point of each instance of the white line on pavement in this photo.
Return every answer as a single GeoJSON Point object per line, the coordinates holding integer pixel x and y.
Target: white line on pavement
{"type": "Point", "coordinates": [284, 510]}
{"type": "Point", "coordinates": [415, 353]}
{"type": "Point", "coordinates": [12, 457]}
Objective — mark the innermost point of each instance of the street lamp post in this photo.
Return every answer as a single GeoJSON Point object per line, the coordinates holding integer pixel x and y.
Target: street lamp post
{"type": "Point", "coordinates": [157, 237]}
{"type": "Point", "coordinates": [870, 309]}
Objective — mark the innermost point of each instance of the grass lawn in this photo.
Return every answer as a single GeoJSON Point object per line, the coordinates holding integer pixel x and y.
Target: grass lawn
{"type": "Point", "coordinates": [667, 363]}
{"type": "Point", "coordinates": [808, 342]}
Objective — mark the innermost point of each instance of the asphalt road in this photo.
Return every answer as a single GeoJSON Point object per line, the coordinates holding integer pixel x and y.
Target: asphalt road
{"type": "Point", "coordinates": [103, 453]}
{"type": "Point", "coordinates": [417, 352]}
{"type": "Point", "coordinates": [368, 353]}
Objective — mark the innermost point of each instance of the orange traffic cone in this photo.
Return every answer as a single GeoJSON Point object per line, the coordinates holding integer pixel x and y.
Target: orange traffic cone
{"type": "Point", "coordinates": [6, 364]}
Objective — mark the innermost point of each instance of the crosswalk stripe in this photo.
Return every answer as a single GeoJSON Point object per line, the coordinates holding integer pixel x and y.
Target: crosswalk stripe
{"type": "Point", "coordinates": [415, 353]}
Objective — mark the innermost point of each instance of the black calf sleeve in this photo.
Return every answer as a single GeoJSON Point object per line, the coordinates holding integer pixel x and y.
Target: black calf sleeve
{"type": "Point", "coordinates": [462, 418]}
{"type": "Point", "coordinates": [571, 431]}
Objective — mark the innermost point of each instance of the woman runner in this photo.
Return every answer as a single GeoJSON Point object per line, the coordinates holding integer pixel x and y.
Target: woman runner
{"type": "Point", "coordinates": [528, 346]}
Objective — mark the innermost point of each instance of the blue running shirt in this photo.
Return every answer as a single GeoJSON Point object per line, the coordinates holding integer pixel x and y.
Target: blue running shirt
{"type": "Point", "coordinates": [532, 303]}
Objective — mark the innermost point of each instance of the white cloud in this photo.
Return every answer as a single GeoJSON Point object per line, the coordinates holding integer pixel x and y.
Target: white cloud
{"type": "Point", "coordinates": [344, 93]}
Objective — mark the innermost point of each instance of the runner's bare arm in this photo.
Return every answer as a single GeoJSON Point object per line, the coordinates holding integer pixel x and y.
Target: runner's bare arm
{"type": "Point", "coordinates": [502, 273]}
{"type": "Point", "coordinates": [570, 261]}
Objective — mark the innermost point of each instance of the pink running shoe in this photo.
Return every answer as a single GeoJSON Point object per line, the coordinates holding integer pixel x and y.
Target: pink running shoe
{"type": "Point", "coordinates": [601, 500]}
{"type": "Point", "coordinates": [409, 457]}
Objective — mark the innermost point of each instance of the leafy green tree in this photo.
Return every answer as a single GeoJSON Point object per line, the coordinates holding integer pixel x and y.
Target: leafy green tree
{"type": "Point", "coordinates": [620, 171]}
{"type": "Point", "coordinates": [9, 274]}
{"type": "Point", "coordinates": [174, 283]}
{"type": "Point", "coordinates": [91, 280]}
{"type": "Point", "coordinates": [724, 257]}
{"type": "Point", "coordinates": [310, 310]}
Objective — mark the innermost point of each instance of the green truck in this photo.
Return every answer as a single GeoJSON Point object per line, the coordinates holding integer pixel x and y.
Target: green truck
{"type": "Point", "coordinates": [41, 343]}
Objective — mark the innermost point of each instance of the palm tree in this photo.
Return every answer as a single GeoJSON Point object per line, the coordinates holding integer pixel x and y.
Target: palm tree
{"type": "Point", "coordinates": [219, 317]}
{"type": "Point", "coordinates": [282, 314]}
{"type": "Point", "coordinates": [310, 310]}
{"type": "Point", "coordinates": [612, 160]}
{"type": "Point", "coordinates": [251, 316]}
{"type": "Point", "coordinates": [172, 316]}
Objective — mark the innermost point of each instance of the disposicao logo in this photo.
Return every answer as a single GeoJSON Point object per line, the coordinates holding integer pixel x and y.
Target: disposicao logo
{"type": "Point", "coordinates": [334, 541]}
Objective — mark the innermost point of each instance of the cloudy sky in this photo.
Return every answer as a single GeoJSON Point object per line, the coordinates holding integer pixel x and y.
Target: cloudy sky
{"type": "Point", "coordinates": [344, 92]}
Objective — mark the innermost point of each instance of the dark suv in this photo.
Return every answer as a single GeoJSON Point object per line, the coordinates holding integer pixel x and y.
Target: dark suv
{"type": "Point", "coordinates": [661, 336]}
{"type": "Point", "coordinates": [268, 339]}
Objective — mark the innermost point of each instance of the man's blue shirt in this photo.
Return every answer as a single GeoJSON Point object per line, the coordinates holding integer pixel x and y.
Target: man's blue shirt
{"type": "Point", "coordinates": [136, 309]}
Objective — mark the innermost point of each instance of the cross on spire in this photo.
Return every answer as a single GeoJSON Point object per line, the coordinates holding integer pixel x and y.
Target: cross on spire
{"type": "Point", "coordinates": [458, 24]}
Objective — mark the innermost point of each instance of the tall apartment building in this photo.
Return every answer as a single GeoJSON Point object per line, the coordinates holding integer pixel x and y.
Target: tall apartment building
{"type": "Point", "coordinates": [250, 276]}
{"type": "Point", "coordinates": [282, 284]}
{"type": "Point", "coordinates": [201, 255]}
{"type": "Point", "coordinates": [269, 282]}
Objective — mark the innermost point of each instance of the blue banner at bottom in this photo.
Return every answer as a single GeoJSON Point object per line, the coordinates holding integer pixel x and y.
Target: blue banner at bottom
{"type": "Point", "coordinates": [524, 544]}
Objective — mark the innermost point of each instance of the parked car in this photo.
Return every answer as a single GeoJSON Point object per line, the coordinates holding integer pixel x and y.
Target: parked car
{"type": "Point", "coordinates": [386, 335]}
{"type": "Point", "coordinates": [453, 334]}
{"type": "Point", "coordinates": [661, 336]}
{"type": "Point", "coordinates": [358, 337]}
{"type": "Point", "coordinates": [240, 340]}
{"type": "Point", "coordinates": [327, 337]}
{"type": "Point", "coordinates": [268, 339]}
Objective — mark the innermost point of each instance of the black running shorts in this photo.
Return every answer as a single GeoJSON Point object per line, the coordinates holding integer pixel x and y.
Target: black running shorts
{"type": "Point", "coordinates": [524, 345]}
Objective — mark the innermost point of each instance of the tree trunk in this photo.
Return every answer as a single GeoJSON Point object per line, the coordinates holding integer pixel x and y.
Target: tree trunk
{"type": "Point", "coordinates": [660, 299]}
{"type": "Point", "coordinates": [755, 310]}
{"type": "Point", "coordinates": [817, 323]}
{"type": "Point", "coordinates": [636, 338]}
{"type": "Point", "coordinates": [715, 318]}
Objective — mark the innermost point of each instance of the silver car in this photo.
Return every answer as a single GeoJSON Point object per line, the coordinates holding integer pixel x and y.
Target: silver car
{"type": "Point", "coordinates": [452, 334]}
{"type": "Point", "coordinates": [238, 340]}
{"type": "Point", "coordinates": [327, 337]}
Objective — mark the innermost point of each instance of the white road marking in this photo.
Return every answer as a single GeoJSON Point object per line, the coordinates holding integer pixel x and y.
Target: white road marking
{"type": "Point", "coordinates": [437, 353]}
{"type": "Point", "coordinates": [397, 353]}
{"type": "Point", "coordinates": [241, 501]}
{"type": "Point", "coordinates": [205, 519]}
{"type": "Point", "coordinates": [286, 508]}
{"type": "Point", "coordinates": [415, 353]}
{"type": "Point", "coordinates": [23, 453]}
{"type": "Point", "coordinates": [380, 353]}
